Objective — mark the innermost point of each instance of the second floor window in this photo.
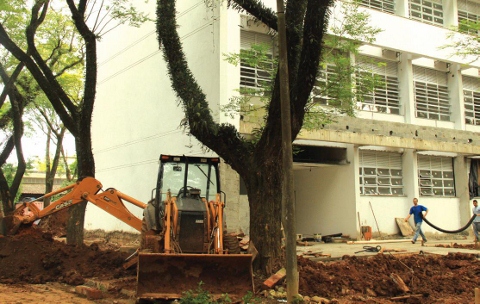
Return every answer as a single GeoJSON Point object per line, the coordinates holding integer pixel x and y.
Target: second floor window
{"type": "Point", "coordinates": [428, 11]}
{"type": "Point", "coordinates": [431, 94]}
{"type": "Point", "coordinates": [385, 97]}
{"type": "Point", "coordinates": [325, 89]}
{"type": "Point", "coordinates": [333, 86]}
{"type": "Point", "coordinates": [468, 12]}
{"type": "Point", "coordinates": [471, 96]}
{"type": "Point", "coordinates": [380, 173]}
{"type": "Point", "coordinates": [435, 176]}
{"type": "Point", "coordinates": [256, 75]}
{"type": "Point", "coordinates": [386, 6]}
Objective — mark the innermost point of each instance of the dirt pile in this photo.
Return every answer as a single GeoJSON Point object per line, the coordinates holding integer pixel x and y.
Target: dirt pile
{"type": "Point", "coordinates": [33, 256]}
{"type": "Point", "coordinates": [431, 278]}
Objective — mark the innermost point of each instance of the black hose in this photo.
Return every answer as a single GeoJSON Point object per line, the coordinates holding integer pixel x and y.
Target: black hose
{"type": "Point", "coordinates": [451, 231]}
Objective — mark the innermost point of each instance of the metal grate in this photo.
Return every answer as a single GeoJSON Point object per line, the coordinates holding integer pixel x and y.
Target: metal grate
{"type": "Point", "coordinates": [427, 11]}
{"type": "Point", "coordinates": [468, 12]}
{"type": "Point", "coordinates": [431, 94]}
{"type": "Point", "coordinates": [385, 97]}
{"type": "Point", "coordinates": [381, 173]}
{"type": "Point", "coordinates": [471, 96]}
{"type": "Point", "coordinates": [386, 6]}
{"type": "Point", "coordinates": [435, 176]}
{"type": "Point", "coordinates": [258, 76]}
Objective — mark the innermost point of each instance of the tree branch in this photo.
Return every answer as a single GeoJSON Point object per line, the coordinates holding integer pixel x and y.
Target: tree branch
{"type": "Point", "coordinates": [223, 139]}
{"type": "Point", "coordinates": [258, 10]}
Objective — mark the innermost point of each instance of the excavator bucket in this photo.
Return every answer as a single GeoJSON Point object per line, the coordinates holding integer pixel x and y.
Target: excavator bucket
{"type": "Point", "coordinates": [167, 276]}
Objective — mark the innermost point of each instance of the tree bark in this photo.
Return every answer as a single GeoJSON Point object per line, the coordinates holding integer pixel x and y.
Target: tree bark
{"type": "Point", "coordinates": [264, 188]}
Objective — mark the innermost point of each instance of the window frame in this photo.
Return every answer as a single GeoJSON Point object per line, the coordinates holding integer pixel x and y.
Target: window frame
{"type": "Point", "coordinates": [386, 95]}
{"type": "Point", "coordinates": [471, 97]}
{"type": "Point", "coordinates": [255, 77]}
{"type": "Point", "coordinates": [468, 11]}
{"type": "Point", "coordinates": [436, 176]}
{"type": "Point", "coordinates": [385, 6]}
{"type": "Point", "coordinates": [420, 10]}
{"type": "Point", "coordinates": [380, 173]}
{"type": "Point", "coordinates": [431, 94]}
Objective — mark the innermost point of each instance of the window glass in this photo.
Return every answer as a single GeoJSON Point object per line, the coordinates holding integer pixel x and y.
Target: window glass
{"type": "Point", "coordinates": [431, 94]}
{"type": "Point", "coordinates": [471, 95]}
{"type": "Point", "coordinates": [380, 173]}
{"type": "Point", "coordinates": [435, 176]}
{"type": "Point", "coordinates": [427, 11]}
{"type": "Point", "coordinates": [386, 6]}
{"type": "Point", "coordinates": [385, 97]}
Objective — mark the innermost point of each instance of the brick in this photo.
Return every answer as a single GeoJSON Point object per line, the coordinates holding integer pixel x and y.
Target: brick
{"type": "Point", "coordinates": [89, 292]}
{"type": "Point", "coordinates": [275, 278]}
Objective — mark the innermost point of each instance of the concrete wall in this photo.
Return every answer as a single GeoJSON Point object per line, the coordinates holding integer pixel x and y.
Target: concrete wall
{"type": "Point", "coordinates": [136, 116]}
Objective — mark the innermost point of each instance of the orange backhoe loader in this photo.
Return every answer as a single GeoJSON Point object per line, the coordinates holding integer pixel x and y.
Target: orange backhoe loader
{"type": "Point", "coordinates": [182, 233]}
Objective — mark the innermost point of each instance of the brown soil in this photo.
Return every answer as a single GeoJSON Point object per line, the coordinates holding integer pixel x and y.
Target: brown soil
{"type": "Point", "coordinates": [430, 278]}
{"type": "Point", "coordinates": [34, 257]}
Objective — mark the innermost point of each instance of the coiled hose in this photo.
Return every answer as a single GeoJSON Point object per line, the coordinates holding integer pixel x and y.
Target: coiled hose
{"type": "Point", "coordinates": [451, 231]}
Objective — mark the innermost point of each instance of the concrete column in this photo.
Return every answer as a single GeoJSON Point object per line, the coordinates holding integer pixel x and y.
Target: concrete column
{"type": "Point", "coordinates": [410, 174]}
{"type": "Point", "coordinates": [461, 187]}
{"type": "Point", "coordinates": [457, 104]}
{"type": "Point", "coordinates": [401, 8]}
{"type": "Point", "coordinates": [450, 13]}
{"type": "Point", "coordinates": [405, 79]}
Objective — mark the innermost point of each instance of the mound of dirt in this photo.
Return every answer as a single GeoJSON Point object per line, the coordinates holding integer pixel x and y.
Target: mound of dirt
{"type": "Point", "coordinates": [33, 256]}
{"type": "Point", "coordinates": [430, 278]}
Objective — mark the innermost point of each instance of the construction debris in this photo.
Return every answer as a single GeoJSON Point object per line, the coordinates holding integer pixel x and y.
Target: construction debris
{"type": "Point", "coordinates": [400, 283]}
{"type": "Point", "coordinates": [275, 278]}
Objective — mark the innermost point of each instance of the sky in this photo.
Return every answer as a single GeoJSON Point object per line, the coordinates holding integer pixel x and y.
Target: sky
{"type": "Point", "coordinates": [35, 146]}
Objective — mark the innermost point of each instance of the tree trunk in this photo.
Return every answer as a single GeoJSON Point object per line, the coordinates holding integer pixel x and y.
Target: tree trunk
{"type": "Point", "coordinates": [264, 187]}
{"type": "Point", "coordinates": [52, 169]}
{"type": "Point", "coordinates": [86, 167]}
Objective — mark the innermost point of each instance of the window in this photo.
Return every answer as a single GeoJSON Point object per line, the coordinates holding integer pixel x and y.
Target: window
{"type": "Point", "coordinates": [323, 91]}
{"type": "Point", "coordinates": [333, 86]}
{"type": "Point", "coordinates": [435, 176]}
{"type": "Point", "coordinates": [386, 6]}
{"type": "Point", "coordinates": [385, 96]}
{"type": "Point", "coordinates": [427, 11]}
{"type": "Point", "coordinates": [468, 12]}
{"type": "Point", "coordinates": [380, 173]}
{"type": "Point", "coordinates": [471, 95]}
{"type": "Point", "coordinates": [255, 76]}
{"type": "Point", "coordinates": [431, 94]}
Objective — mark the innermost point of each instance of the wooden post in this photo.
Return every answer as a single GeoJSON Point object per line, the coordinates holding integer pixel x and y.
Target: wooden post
{"type": "Point", "coordinates": [288, 205]}
{"type": "Point", "coordinates": [477, 295]}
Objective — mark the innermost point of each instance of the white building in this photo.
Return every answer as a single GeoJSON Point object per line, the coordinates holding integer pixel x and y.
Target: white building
{"type": "Point", "coordinates": [417, 137]}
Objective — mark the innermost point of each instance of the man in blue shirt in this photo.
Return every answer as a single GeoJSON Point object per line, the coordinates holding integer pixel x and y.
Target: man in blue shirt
{"type": "Point", "coordinates": [418, 215]}
{"type": "Point", "coordinates": [476, 221]}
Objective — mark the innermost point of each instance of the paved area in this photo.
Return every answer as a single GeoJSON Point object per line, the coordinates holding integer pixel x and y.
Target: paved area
{"type": "Point", "coordinates": [335, 250]}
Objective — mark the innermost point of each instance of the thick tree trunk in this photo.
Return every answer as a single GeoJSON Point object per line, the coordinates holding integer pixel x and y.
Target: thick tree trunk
{"type": "Point", "coordinates": [264, 187]}
{"type": "Point", "coordinates": [86, 167]}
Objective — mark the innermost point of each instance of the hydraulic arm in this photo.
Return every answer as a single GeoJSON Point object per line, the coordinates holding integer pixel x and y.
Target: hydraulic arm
{"type": "Point", "coordinates": [88, 189]}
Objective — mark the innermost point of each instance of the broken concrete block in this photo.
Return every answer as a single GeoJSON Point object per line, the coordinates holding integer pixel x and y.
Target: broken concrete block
{"type": "Point", "coordinates": [89, 292]}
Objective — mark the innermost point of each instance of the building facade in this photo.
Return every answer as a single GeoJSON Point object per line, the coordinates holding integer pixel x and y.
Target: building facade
{"type": "Point", "coordinates": [416, 136]}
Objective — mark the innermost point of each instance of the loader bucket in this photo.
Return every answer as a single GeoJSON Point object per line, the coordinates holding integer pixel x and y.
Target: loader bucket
{"type": "Point", "coordinates": [167, 276]}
